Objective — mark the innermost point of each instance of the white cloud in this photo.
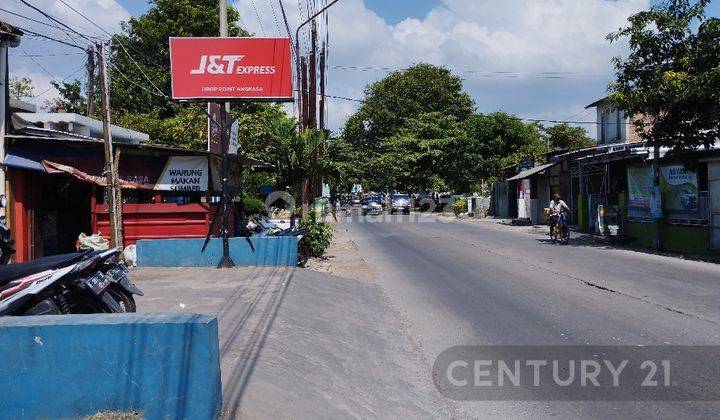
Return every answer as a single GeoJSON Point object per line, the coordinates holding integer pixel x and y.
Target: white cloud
{"type": "Point", "coordinates": [475, 38]}
{"type": "Point", "coordinates": [52, 58]}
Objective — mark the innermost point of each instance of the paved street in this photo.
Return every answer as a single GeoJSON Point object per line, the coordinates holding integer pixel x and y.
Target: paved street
{"type": "Point", "coordinates": [356, 335]}
{"type": "Point", "coordinates": [479, 283]}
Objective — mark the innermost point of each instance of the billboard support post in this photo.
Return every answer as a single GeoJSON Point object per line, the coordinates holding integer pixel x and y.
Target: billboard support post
{"type": "Point", "coordinates": [237, 69]}
{"type": "Point", "coordinates": [225, 261]}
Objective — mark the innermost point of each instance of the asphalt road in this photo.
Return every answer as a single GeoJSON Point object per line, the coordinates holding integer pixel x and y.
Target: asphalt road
{"type": "Point", "coordinates": [479, 283]}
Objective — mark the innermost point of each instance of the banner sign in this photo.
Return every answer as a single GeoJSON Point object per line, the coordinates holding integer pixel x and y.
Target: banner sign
{"type": "Point", "coordinates": [231, 68]}
{"type": "Point", "coordinates": [679, 189]}
{"type": "Point", "coordinates": [640, 191]}
{"type": "Point", "coordinates": [184, 173]}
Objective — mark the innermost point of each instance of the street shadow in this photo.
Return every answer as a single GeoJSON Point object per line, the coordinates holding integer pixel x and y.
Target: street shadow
{"type": "Point", "coordinates": [240, 374]}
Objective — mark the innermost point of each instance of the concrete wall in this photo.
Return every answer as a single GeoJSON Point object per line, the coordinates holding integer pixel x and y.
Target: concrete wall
{"type": "Point", "coordinates": [272, 250]}
{"type": "Point", "coordinates": [161, 365]}
{"type": "Point", "coordinates": [686, 239]}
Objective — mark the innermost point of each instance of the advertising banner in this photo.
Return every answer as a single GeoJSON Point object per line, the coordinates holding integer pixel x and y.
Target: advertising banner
{"type": "Point", "coordinates": [640, 191]}
{"type": "Point", "coordinates": [679, 189]}
{"type": "Point", "coordinates": [184, 173]}
{"type": "Point", "coordinates": [231, 68]}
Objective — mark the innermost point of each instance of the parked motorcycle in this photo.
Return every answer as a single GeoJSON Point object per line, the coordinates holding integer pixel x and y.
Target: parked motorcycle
{"type": "Point", "coordinates": [59, 284]}
{"type": "Point", "coordinates": [121, 288]}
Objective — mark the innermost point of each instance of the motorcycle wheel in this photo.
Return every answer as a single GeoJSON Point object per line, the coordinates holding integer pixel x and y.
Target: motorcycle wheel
{"type": "Point", "coordinates": [122, 297]}
{"type": "Point", "coordinates": [82, 303]}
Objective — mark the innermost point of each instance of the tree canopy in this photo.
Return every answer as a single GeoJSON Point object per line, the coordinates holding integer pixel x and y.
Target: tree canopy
{"type": "Point", "coordinates": [672, 74]}
{"type": "Point", "coordinates": [417, 130]}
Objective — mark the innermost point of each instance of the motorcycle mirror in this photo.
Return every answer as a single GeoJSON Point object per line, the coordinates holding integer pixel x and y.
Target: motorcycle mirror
{"type": "Point", "coordinates": [3, 200]}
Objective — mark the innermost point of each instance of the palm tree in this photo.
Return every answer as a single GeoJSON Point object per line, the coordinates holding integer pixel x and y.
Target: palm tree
{"type": "Point", "coordinates": [300, 159]}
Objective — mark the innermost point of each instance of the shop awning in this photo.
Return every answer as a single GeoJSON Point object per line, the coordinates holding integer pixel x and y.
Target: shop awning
{"type": "Point", "coordinates": [137, 171]}
{"type": "Point", "coordinates": [532, 171]}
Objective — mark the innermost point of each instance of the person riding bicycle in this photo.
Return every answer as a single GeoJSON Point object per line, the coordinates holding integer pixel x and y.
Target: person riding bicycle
{"type": "Point", "coordinates": [559, 212]}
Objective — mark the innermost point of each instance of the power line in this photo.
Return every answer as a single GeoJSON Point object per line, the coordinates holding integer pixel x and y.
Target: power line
{"type": "Point", "coordinates": [49, 38]}
{"type": "Point", "coordinates": [141, 70]}
{"type": "Point", "coordinates": [134, 82]}
{"type": "Point", "coordinates": [258, 17]}
{"type": "Point", "coordinates": [44, 55]}
{"type": "Point", "coordinates": [115, 38]}
{"type": "Point", "coordinates": [55, 20]}
{"type": "Point", "coordinates": [31, 19]}
{"type": "Point", "coordinates": [52, 87]}
{"type": "Point", "coordinates": [277, 24]}
{"type": "Point", "coordinates": [481, 73]}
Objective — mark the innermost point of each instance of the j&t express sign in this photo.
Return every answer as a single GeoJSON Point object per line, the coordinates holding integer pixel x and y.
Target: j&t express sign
{"type": "Point", "coordinates": [231, 68]}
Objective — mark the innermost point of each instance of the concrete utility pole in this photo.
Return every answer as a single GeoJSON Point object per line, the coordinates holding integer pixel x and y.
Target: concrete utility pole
{"type": "Point", "coordinates": [114, 199]}
{"type": "Point", "coordinates": [225, 261]}
{"type": "Point", "coordinates": [90, 77]}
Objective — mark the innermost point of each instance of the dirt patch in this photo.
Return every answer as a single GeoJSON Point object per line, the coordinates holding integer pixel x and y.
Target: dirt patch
{"type": "Point", "coordinates": [342, 258]}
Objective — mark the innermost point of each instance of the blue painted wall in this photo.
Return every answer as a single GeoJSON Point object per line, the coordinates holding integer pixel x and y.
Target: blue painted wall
{"type": "Point", "coordinates": [270, 250]}
{"type": "Point", "coordinates": [161, 365]}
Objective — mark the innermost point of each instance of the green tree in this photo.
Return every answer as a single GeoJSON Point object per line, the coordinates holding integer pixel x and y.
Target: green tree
{"type": "Point", "coordinates": [71, 98]}
{"type": "Point", "coordinates": [145, 39]}
{"type": "Point", "coordinates": [21, 88]}
{"type": "Point", "coordinates": [494, 143]}
{"type": "Point", "coordinates": [672, 75]}
{"type": "Point", "coordinates": [392, 102]}
{"type": "Point", "coordinates": [566, 137]}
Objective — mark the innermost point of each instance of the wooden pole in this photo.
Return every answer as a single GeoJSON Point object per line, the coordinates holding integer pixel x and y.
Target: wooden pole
{"type": "Point", "coordinates": [112, 195]}
{"type": "Point", "coordinates": [90, 77]}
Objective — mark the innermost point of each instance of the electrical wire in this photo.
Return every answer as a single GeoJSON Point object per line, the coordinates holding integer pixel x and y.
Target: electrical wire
{"type": "Point", "coordinates": [141, 70]}
{"type": "Point", "coordinates": [277, 24]}
{"type": "Point", "coordinates": [62, 80]}
{"type": "Point", "coordinates": [49, 38]}
{"type": "Point", "coordinates": [258, 17]}
{"type": "Point", "coordinates": [56, 21]}
{"type": "Point", "coordinates": [29, 18]}
{"type": "Point", "coordinates": [135, 83]}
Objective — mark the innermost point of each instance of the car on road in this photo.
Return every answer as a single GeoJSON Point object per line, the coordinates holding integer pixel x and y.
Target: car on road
{"type": "Point", "coordinates": [400, 203]}
{"type": "Point", "coordinates": [372, 204]}
{"type": "Point", "coordinates": [355, 201]}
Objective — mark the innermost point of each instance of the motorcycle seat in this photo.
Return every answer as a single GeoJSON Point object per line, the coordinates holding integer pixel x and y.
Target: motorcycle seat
{"type": "Point", "coordinates": [12, 272]}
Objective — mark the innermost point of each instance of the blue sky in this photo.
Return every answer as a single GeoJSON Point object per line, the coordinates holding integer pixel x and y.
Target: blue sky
{"type": "Point", "coordinates": [502, 49]}
{"type": "Point", "coordinates": [393, 11]}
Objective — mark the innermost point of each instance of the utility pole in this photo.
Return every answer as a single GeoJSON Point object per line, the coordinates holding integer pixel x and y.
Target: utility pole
{"type": "Point", "coordinates": [321, 122]}
{"type": "Point", "coordinates": [225, 261]}
{"type": "Point", "coordinates": [114, 199]}
{"type": "Point", "coordinates": [304, 93]}
{"type": "Point", "coordinates": [656, 205]}
{"type": "Point", "coordinates": [90, 76]}
{"type": "Point", "coordinates": [312, 115]}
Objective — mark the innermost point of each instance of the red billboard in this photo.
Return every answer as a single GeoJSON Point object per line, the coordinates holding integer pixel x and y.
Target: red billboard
{"type": "Point", "coordinates": [231, 68]}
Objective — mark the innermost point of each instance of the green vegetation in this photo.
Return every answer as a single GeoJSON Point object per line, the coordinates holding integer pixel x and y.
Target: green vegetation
{"type": "Point", "coordinates": [418, 130]}
{"type": "Point", "coordinates": [672, 75]}
{"type": "Point", "coordinates": [21, 88]}
{"type": "Point", "coordinates": [318, 237]}
{"type": "Point", "coordinates": [459, 207]}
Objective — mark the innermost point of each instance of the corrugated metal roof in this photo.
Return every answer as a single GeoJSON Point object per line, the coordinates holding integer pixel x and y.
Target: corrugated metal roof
{"type": "Point", "coordinates": [532, 171]}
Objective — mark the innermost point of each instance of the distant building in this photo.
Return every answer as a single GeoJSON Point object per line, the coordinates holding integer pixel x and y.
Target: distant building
{"type": "Point", "coordinates": [613, 126]}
